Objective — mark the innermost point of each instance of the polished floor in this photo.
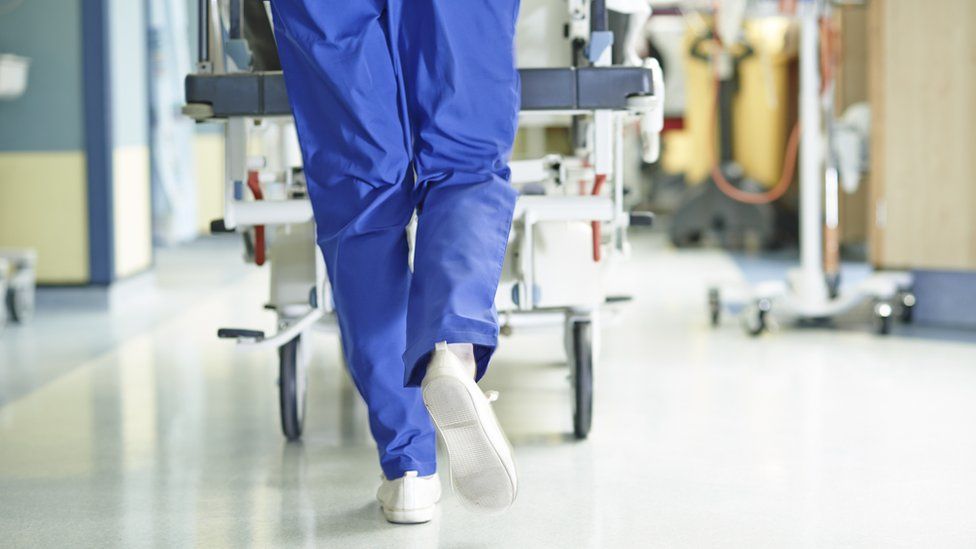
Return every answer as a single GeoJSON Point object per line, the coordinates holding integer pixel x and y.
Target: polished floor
{"type": "Point", "coordinates": [136, 427]}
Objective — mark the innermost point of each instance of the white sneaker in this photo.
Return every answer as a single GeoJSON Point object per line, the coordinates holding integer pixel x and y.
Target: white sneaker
{"type": "Point", "coordinates": [409, 499]}
{"type": "Point", "coordinates": [482, 466]}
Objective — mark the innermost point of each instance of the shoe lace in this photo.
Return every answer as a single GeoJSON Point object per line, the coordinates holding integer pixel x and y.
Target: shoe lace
{"type": "Point", "coordinates": [492, 396]}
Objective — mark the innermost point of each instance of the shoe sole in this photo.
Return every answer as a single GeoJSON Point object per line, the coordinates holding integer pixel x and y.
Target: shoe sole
{"type": "Point", "coordinates": [479, 473]}
{"type": "Point", "coordinates": [409, 516]}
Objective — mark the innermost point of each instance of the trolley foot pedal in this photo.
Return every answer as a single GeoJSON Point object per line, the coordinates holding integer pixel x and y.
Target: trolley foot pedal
{"type": "Point", "coordinates": [240, 333]}
{"type": "Point", "coordinates": [642, 219]}
{"type": "Point", "coordinates": [217, 226]}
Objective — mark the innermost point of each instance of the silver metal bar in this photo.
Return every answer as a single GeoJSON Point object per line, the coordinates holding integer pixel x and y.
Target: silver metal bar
{"type": "Point", "coordinates": [811, 158]}
{"type": "Point", "coordinates": [564, 208]}
{"type": "Point", "coordinates": [527, 295]}
{"type": "Point", "coordinates": [286, 335]}
{"type": "Point", "coordinates": [269, 212]}
{"type": "Point", "coordinates": [532, 319]}
{"type": "Point", "coordinates": [236, 20]}
{"type": "Point", "coordinates": [235, 152]}
{"type": "Point", "coordinates": [203, 31]}
{"type": "Point", "coordinates": [832, 199]}
{"type": "Point", "coordinates": [620, 220]}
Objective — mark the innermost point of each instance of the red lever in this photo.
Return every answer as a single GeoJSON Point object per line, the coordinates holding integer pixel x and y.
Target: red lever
{"type": "Point", "coordinates": [254, 183]}
{"type": "Point", "coordinates": [598, 182]}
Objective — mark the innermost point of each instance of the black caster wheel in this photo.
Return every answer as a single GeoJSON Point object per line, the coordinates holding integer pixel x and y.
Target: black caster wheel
{"type": "Point", "coordinates": [292, 387]}
{"type": "Point", "coordinates": [714, 306]}
{"type": "Point", "coordinates": [582, 365]}
{"type": "Point", "coordinates": [882, 315]}
{"type": "Point", "coordinates": [833, 285]}
{"type": "Point", "coordinates": [755, 319]}
{"type": "Point", "coordinates": [907, 314]}
{"type": "Point", "coordinates": [20, 304]}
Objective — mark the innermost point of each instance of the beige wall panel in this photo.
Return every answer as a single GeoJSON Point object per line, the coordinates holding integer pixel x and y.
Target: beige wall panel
{"type": "Point", "coordinates": [924, 92]}
{"type": "Point", "coordinates": [132, 210]}
{"type": "Point", "coordinates": [852, 87]}
{"type": "Point", "coordinates": [852, 74]}
{"type": "Point", "coordinates": [44, 206]}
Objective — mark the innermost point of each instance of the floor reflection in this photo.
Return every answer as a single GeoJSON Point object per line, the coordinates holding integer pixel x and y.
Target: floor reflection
{"type": "Point", "coordinates": [701, 437]}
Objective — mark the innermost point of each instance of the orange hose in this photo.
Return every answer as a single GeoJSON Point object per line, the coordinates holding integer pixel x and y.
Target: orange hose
{"type": "Point", "coordinates": [829, 52]}
{"type": "Point", "coordinates": [764, 197]}
{"type": "Point", "coordinates": [789, 161]}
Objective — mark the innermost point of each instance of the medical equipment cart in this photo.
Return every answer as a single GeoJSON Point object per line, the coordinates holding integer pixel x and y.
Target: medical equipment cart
{"type": "Point", "coordinates": [266, 201]}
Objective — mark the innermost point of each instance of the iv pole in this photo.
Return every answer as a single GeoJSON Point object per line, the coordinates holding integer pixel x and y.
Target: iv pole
{"type": "Point", "coordinates": [804, 294]}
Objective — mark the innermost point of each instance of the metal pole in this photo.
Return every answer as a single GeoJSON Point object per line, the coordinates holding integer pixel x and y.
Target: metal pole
{"type": "Point", "coordinates": [203, 31]}
{"type": "Point", "coordinates": [235, 159]}
{"type": "Point", "coordinates": [598, 16]}
{"type": "Point", "coordinates": [235, 31]}
{"type": "Point", "coordinates": [620, 228]}
{"type": "Point", "coordinates": [812, 288]}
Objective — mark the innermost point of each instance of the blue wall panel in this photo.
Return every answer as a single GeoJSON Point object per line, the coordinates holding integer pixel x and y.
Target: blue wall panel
{"type": "Point", "coordinates": [98, 140]}
{"type": "Point", "coordinates": [49, 116]}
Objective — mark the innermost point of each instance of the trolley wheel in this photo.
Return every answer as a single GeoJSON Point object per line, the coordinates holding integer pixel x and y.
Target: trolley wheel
{"type": "Point", "coordinates": [754, 319]}
{"type": "Point", "coordinates": [882, 315]}
{"type": "Point", "coordinates": [833, 285]}
{"type": "Point", "coordinates": [907, 307]}
{"type": "Point", "coordinates": [714, 306]}
{"type": "Point", "coordinates": [582, 378]}
{"type": "Point", "coordinates": [292, 387]}
{"type": "Point", "coordinates": [20, 304]}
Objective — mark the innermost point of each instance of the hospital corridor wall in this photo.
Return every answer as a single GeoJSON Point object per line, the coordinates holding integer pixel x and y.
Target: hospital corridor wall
{"type": "Point", "coordinates": [74, 149]}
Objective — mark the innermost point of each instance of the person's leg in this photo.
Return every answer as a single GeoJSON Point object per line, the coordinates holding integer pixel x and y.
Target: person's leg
{"type": "Point", "coordinates": [343, 87]}
{"type": "Point", "coordinates": [462, 91]}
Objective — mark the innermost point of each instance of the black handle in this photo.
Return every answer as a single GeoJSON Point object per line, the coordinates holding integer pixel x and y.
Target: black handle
{"type": "Point", "coordinates": [641, 219]}
{"type": "Point", "coordinates": [217, 227]}
{"type": "Point", "coordinates": [697, 52]}
{"type": "Point", "coordinates": [234, 333]}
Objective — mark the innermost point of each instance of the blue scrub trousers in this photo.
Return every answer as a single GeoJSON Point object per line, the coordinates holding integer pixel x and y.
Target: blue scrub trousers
{"type": "Point", "coordinates": [405, 105]}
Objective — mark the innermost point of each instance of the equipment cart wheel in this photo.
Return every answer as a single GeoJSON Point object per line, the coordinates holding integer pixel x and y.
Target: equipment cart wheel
{"type": "Point", "coordinates": [582, 377]}
{"type": "Point", "coordinates": [3, 292]}
{"type": "Point", "coordinates": [907, 300]}
{"type": "Point", "coordinates": [714, 306]}
{"type": "Point", "coordinates": [882, 314]}
{"type": "Point", "coordinates": [754, 318]}
{"type": "Point", "coordinates": [20, 303]}
{"type": "Point", "coordinates": [292, 387]}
